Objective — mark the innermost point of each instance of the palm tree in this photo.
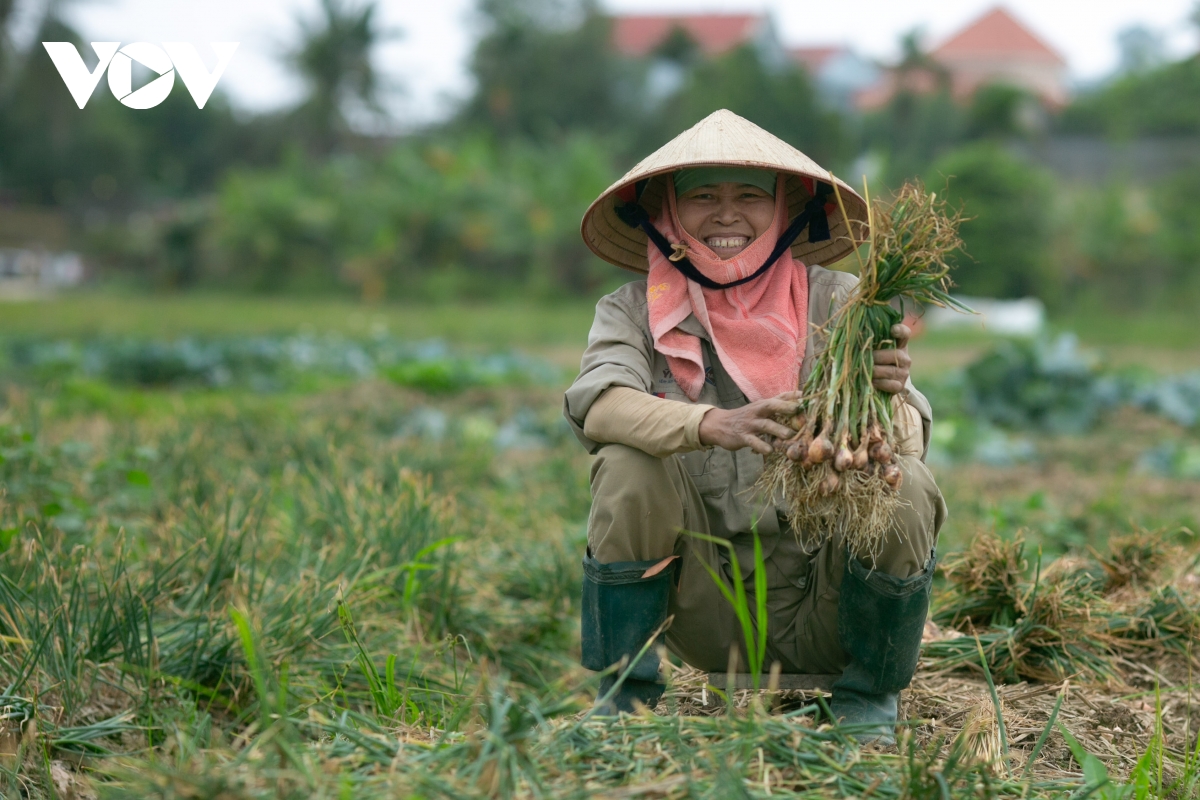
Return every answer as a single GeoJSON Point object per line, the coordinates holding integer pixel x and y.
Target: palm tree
{"type": "Point", "coordinates": [334, 58]}
{"type": "Point", "coordinates": [6, 54]}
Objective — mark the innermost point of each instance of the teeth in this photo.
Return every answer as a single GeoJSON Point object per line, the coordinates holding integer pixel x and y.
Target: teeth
{"type": "Point", "coordinates": [727, 241]}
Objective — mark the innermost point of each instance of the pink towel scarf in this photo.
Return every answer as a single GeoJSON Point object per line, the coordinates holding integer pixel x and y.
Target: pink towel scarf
{"type": "Point", "coordinates": [758, 329]}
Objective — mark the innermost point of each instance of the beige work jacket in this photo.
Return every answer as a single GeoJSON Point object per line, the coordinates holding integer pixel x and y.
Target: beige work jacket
{"type": "Point", "coordinates": [621, 352]}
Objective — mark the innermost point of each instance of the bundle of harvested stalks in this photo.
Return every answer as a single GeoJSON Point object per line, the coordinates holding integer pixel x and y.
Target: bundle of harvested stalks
{"type": "Point", "coordinates": [1068, 622]}
{"type": "Point", "coordinates": [1133, 559]}
{"type": "Point", "coordinates": [986, 584]}
{"type": "Point", "coordinates": [845, 483]}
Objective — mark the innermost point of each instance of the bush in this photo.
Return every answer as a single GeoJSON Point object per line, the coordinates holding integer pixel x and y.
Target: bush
{"type": "Point", "coordinates": [1178, 202]}
{"type": "Point", "coordinates": [428, 220]}
{"type": "Point", "coordinates": [1134, 245]}
{"type": "Point", "coordinates": [1007, 233]}
{"type": "Point", "coordinates": [1116, 242]}
{"type": "Point", "coordinates": [1159, 102]}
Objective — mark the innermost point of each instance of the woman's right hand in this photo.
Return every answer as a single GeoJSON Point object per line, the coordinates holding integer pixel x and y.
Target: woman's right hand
{"type": "Point", "coordinates": [735, 428]}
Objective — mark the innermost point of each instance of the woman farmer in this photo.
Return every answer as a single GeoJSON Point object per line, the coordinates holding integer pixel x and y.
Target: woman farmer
{"type": "Point", "coordinates": [683, 377]}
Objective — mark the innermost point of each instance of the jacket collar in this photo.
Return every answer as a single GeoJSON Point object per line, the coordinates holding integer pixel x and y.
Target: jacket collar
{"type": "Point", "coordinates": [690, 325]}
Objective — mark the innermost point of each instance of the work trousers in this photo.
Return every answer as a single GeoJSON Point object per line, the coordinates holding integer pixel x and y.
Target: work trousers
{"type": "Point", "coordinates": [642, 510]}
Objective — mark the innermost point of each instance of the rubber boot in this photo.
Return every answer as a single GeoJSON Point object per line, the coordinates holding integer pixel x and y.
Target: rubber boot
{"type": "Point", "coordinates": [621, 611]}
{"type": "Point", "coordinates": [880, 621]}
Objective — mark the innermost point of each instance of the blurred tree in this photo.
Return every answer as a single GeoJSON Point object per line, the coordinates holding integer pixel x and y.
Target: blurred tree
{"type": "Point", "coordinates": [679, 47]}
{"type": "Point", "coordinates": [1007, 232]}
{"type": "Point", "coordinates": [1177, 200]}
{"type": "Point", "coordinates": [106, 155]}
{"type": "Point", "coordinates": [6, 12]}
{"type": "Point", "coordinates": [1118, 236]}
{"type": "Point", "coordinates": [920, 121]}
{"type": "Point", "coordinates": [183, 149]}
{"type": "Point", "coordinates": [543, 68]}
{"type": "Point", "coordinates": [7, 62]}
{"type": "Point", "coordinates": [781, 100]}
{"type": "Point", "coordinates": [995, 112]}
{"type": "Point", "coordinates": [473, 217]}
{"type": "Point", "coordinates": [1141, 49]}
{"type": "Point", "coordinates": [334, 59]}
{"type": "Point", "coordinates": [911, 131]}
{"type": "Point", "coordinates": [52, 152]}
{"type": "Point", "coordinates": [1158, 102]}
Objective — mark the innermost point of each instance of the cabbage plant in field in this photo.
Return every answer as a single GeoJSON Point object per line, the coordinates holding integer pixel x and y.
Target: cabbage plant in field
{"type": "Point", "coordinates": [267, 363]}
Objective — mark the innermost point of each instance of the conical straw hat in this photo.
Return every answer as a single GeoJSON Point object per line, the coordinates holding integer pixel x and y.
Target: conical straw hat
{"type": "Point", "coordinates": [721, 138]}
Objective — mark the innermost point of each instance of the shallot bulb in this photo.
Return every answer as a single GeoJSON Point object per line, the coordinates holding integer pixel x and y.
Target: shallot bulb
{"type": "Point", "coordinates": [860, 455]}
{"type": "Point", "coordinates": [892, 476]}
{"type": "Point", "coordinates": [881, 452]}
{"type": "Point", "coordinates": [820, 451]}
{"type": "Point", "coordinates": [843, 459]}
{"type": "Point", "coordinates": [829, 484]}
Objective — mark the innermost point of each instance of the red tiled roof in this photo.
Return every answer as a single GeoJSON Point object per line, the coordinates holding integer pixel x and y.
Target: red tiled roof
{"type": "Point", "coordinates": [813, 58]}
{"type": "Point", "coordinates": [713, 33]}
{"type": "Point", "coordinates": [997, 34]}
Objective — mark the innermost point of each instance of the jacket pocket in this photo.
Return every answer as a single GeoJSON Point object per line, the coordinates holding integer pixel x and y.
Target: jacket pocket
{"type": "Point", "coordinates": [710, 473]}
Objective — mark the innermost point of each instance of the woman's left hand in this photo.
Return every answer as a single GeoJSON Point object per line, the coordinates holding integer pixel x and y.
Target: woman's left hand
{"type": "Point", "coordinates": [893, 365]}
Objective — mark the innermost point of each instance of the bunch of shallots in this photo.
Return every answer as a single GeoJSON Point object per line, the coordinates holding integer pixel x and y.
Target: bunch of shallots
{"type": "Point", "coordinates": [845, 483]}
{"type": "Point", "coordinates": [871, 453]}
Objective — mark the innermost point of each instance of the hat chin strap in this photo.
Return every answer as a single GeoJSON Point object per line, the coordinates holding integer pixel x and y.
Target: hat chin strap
{"type": "Point", "coordinates": [812, 217]}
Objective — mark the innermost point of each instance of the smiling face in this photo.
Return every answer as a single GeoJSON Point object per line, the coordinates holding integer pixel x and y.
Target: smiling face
{"type": "Point", "coordinates": [726, 216]}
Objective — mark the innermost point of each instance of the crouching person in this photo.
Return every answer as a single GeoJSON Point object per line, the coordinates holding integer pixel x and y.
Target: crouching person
{"type": "Point", "coordinates": [676, 397]}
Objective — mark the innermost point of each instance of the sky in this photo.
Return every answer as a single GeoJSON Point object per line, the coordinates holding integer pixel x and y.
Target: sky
{"type": "Point", "coordinates": [427, 62]}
